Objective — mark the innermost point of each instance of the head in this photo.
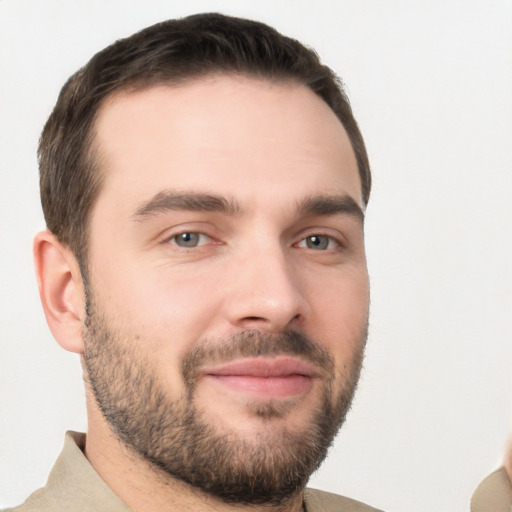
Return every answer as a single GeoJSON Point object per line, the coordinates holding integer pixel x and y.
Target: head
{"type": "Point", "coordinates": [173, 52]}
{"type": "Point", "coordinates": [204, 183]}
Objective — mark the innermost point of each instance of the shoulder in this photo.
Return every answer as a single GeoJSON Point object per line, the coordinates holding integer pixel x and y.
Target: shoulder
{"type": "Point", "coordinates": [36, 502]}
{"type": "Point", "coordinates": [28, 506]}
{"type": "Point", "coordinates": [494, 493]}
{"type": "Point", "coordinates": [321, 501]}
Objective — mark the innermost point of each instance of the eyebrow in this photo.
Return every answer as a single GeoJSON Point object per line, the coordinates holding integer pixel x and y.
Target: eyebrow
{"type": "Point", "coordinates": [172, 201]}
{"type": "Point", "coordinates": [331, 205]}
{"type": "Point", "coordinates": [192, 201]}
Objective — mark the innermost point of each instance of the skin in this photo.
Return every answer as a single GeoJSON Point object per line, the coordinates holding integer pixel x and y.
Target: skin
{"type": "Point", "coordinates": [507, 463]}
{"type": "Point", "coordinates": [266, 149]}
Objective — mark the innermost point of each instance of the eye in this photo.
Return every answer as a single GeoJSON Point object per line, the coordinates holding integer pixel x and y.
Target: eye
{"type": "Point", "coordinates": [190, 240]}
{"type": "Point", "coordinates": [318, 243]}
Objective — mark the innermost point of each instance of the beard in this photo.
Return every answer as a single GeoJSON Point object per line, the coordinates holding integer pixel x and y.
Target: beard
{"type": "Point", "coordinates": [174, 435]}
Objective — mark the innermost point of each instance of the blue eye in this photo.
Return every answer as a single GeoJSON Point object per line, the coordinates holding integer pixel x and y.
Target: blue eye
{"type": "Point", "coordinates": [189, 239]}
{"type": "Point", "coordinates": [318, 242]}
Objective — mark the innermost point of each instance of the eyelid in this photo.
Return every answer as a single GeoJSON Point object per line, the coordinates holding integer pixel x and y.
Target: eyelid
{"type": "Point", "coordinates": [334, 235]}
{"type": "Point", "coordinates": [203, 236]}
{"type": "Point", "coordinates": [330, 241]}
{"type": "Point", "coordinates": [203, 229]}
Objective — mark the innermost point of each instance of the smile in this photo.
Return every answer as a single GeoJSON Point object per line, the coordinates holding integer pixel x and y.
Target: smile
{"type": "Point", "coordinates": [263, 377]}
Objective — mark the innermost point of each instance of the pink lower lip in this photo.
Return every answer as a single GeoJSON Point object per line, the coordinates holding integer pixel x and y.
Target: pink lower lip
{"type": "Point", "coordinates": [265, 387]}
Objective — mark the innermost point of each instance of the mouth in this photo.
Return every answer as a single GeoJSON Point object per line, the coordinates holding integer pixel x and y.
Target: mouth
{"type": "Point", "coordinates": [265, 378]}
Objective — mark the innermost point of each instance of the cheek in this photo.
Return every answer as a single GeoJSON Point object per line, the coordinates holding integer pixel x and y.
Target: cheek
{"type": "Point", "coordinates": [341, 315]}
{"type": "Point", "coordinates": [175, 309]}
{"type": "Point", "coordinates": [165, 312]}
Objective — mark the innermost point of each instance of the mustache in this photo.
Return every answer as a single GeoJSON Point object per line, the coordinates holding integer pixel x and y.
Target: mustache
{"type": "Point", "coordinates": [254, 343]}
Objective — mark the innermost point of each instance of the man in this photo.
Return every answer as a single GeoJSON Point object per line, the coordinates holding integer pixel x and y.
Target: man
{"type": "Point", "coordinates": [204, 185]}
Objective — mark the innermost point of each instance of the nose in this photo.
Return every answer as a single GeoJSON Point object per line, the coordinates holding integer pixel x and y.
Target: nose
{"type": "Point", "coordinates": [266, 291]}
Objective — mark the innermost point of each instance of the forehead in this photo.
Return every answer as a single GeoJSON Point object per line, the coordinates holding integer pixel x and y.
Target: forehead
{"type": "Point", "coordinates": [221, 133]}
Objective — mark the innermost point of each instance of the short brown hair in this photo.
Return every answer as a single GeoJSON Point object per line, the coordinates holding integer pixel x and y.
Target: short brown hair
{"type": "Point", "coordinates": [169, 52]}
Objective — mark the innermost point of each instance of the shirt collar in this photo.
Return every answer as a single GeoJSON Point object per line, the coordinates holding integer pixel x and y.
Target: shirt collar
{"type": "Point", "coordinates": [74, 484]}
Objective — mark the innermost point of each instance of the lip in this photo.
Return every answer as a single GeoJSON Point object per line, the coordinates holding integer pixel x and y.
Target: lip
{"type": "Point", "coordinates": [264, 377]}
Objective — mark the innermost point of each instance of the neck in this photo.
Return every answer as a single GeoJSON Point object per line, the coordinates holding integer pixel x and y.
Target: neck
{"type": "Point", "coordinates": [145, 488]}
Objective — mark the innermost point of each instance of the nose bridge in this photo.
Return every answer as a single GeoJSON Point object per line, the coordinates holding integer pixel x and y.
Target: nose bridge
{"type": "Point", "coordinates": [266, 292]}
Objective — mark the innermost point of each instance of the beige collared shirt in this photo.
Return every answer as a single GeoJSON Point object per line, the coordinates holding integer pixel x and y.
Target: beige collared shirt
{"type": "Point", "coordinates": [73, 485]}
{"type": "Point", "coordinates": [494, 494]}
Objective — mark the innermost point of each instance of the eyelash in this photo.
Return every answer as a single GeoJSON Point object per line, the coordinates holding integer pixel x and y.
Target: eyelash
{"type": "Point", "coordinates": [174, 239]}
{"type": "Point", "coordinates": [332, 242]}
{"type": "Point", "coordinates": [324, 242]}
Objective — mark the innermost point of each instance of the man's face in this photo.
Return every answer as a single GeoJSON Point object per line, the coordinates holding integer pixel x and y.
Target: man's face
{"type": "Point", "coordinates": [229, 291]}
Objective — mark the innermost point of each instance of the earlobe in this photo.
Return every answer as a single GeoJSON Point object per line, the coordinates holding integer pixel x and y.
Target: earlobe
{"type": "Point", "coordinates": [60, 289]}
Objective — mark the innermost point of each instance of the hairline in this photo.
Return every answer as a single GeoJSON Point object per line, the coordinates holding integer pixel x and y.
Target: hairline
{"type": "Point", "coordinates": [96, 160]}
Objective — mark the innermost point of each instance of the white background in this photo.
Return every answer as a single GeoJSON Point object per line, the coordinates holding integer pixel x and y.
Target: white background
{"type": "Point", "coordinates": [431, 85]}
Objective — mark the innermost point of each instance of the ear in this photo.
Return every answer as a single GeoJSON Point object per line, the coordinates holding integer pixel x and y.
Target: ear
{"type": "Point", "coordinates": [61, 290]}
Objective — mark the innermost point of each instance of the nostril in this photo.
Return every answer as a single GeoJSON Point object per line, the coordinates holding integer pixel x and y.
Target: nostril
{"type": "Point", "coordinates": [258, 320]}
